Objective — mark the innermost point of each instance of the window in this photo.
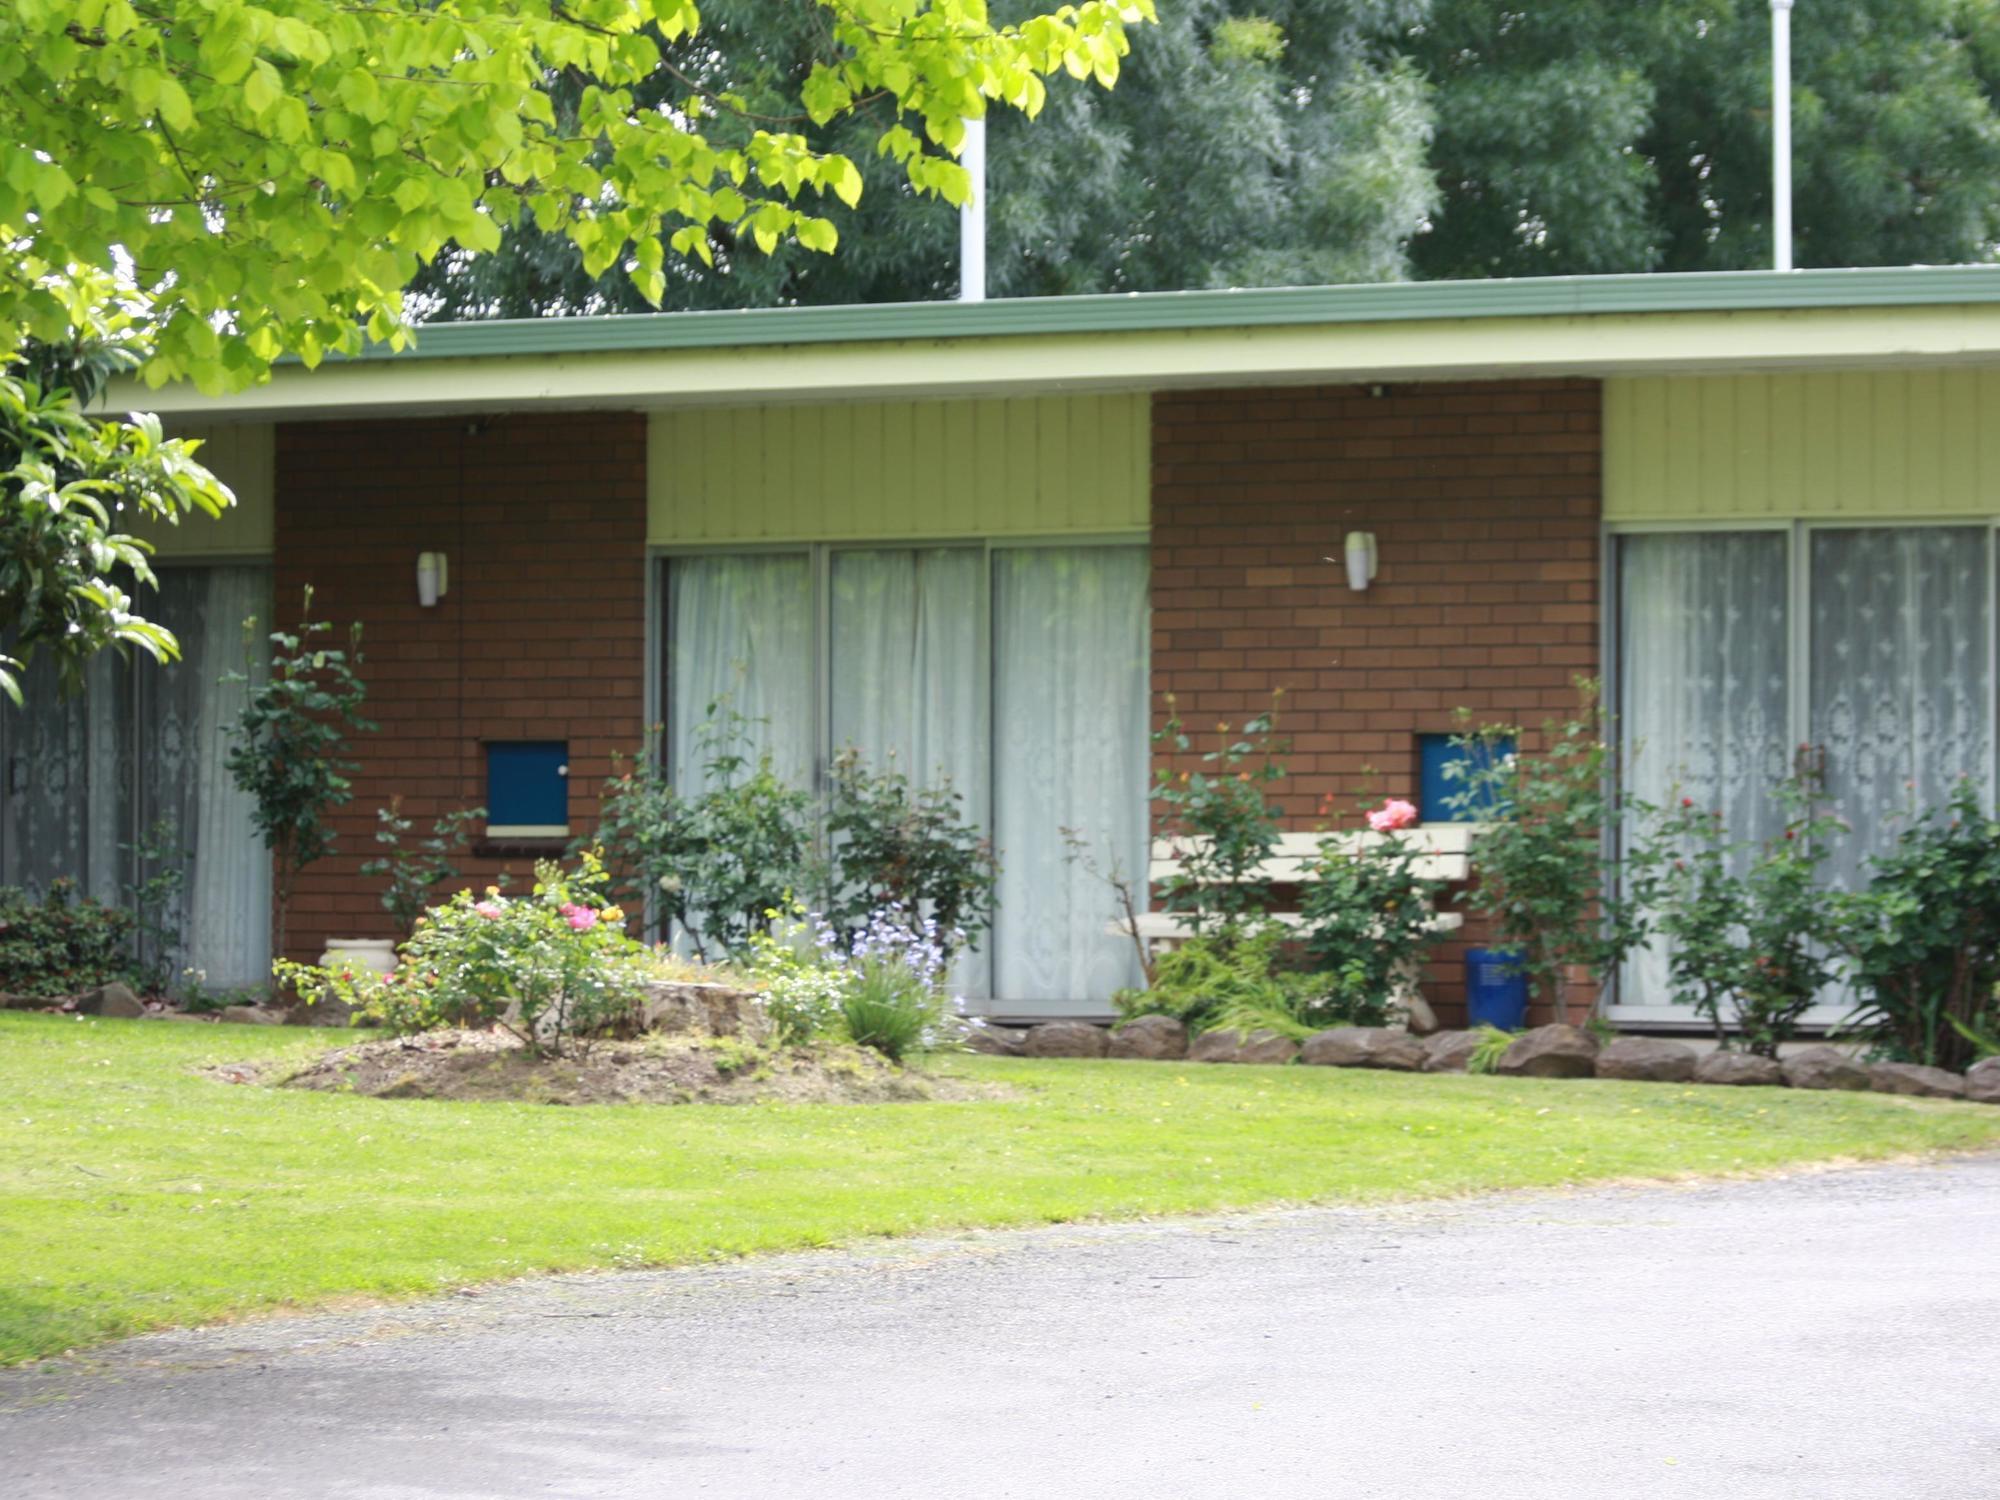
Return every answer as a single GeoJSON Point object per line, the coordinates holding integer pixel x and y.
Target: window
{"type": "Point", "coordinates": [91, 779]}
{"type": "Point", "coordinates": [527, 789]}
{"type": "Point", "coordinates": [1871, 644]}
{"type": "Point", "coordinates": [1015, 673]}
{"type": "Point", "coordinates": [1442, 766]}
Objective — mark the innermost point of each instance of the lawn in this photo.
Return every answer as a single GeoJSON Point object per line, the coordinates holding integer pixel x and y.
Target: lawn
{"type": "Point", "coordinates": [136, 1193]}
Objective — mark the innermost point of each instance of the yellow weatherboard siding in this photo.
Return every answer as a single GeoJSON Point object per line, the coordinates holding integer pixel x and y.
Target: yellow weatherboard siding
{"type": "Point", "coordinates": [243, 455]}
{"type": "Point", "coordinates": [1853, 444]}
{"type": "Point", "coordinates": [1026, 466]}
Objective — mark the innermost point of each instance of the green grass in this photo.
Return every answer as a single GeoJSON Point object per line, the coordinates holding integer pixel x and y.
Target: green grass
{"type": "Point", "coordinates": [135, 1193]}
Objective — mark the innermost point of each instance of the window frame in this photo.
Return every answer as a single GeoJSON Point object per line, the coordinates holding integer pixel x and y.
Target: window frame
{"type": "Point", "coordinates": [1798, 533]}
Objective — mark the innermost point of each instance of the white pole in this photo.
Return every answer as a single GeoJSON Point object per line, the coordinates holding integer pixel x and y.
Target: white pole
{"type": "Point", "coordinates": [972, 217]}
{"type": "Point", "coordinates": [1781, 134]}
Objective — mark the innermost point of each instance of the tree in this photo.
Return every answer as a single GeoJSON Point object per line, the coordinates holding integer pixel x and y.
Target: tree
{"type": "Point", "coordinates": [71, 486]}
{"type": "Point", "coordinates": [287, 748]}
{"type": "Point", "coordinates": [274, 173]}
{"type": "Point", "coordinates": [1281, 146]}
{"type": "Point", "coordinates": [1580, 137]}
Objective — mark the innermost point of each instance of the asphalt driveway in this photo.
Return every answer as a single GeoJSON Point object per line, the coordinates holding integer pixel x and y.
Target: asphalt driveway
{"type": "Point", "coordinates": [1824, 1335]}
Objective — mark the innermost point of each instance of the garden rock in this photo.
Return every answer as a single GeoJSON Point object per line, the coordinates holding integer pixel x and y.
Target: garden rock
{"type": "Point", "coordinates": [1915, 1079]}
{"type": "Point", "coordinates": [678, 1008]}
{"type": "Point", "coordinates": [1364, 1047]}
{"type": "Point", "coordinates": [1150, 1038]}
{"type": "Point", "coordinates": [328, 1010]}
{"type": "Point", "coordinates": [1646, 1059]}
{"type": "Point", "coordinates": [1228, 1046]}
{"type": "Point", "coordinates": [1551, 1052]}
{"type": "Point", "coordinates": [24, 1002]}
{"type": "Point", "coordinates": [1739, 1070]}
{"type": "Point", "coordinates": [113, 999]}
{"type": "Point", "coordinates": [1065, 1039]}
{"type": "Point", "coordinates": [1449, 1051]}
{"type": "Point", "coordinates": [1982, 1081]}
{"type": "Point", "coordinates": [1418, 1015]}
{"type": "Point", "coordinates": [996, 1041]}
{"type": "Point", "coordinates": [250, 1015]}
{"type": "Point", "coordinates": [1824, 1068]}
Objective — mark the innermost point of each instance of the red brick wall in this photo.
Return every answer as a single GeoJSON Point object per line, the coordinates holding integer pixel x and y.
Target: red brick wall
{"type": "Point", "coordinates": [541, 635]}
{"type": "Point", "coordinates": [1484, 499]}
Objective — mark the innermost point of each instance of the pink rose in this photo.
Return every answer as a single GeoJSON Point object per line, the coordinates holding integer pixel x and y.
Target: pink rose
{"type": "Point", "coordinates": [1392, 815]}
{"type": "Point", "coordinates": [581, 918]}
{"type": "Point", "coordinates": [487, 909]}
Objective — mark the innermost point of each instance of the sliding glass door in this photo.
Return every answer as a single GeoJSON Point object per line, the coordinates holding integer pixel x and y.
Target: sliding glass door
{"type": "Point", "coordinates": [1015, 675]}
{"type": "Point", "coordinates": [136, 761]}
{"type": "Point", "coordinates": [1867, 649]}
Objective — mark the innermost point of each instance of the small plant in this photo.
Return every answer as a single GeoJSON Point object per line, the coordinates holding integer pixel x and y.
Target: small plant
{"type": "Point", "coordinates": [898, 847]}
{"type": "Point", "coordinates": [1489, 1049]}
{"type": "Point", "coordinates": [1126, 890]}
{"type": "Point", "coordinates": [1748, 951]}
{"type": "Point", "coordinates": [880, 987]}
{"type": "Point", "coordinates": [1543, 877]}
{"type": "Point", "coordinates": [713, 864]}
{"type": "Point", "coordinates": [555, 967]}
{"type": "Point", "coordinates": [1370, 915]}
{"type": "Point", "coordinates": [159, 866]}
{"type": "Point", "coordinates": [61, 942]}
{"type": "Point", "coordinates": [287, 744]}
{"type": "Point", "coordinates": [1924, 938]}
{"type": "Point", "coordinates": [414, 871]}
{"type": "Point", "coordinates": [1219, 820]}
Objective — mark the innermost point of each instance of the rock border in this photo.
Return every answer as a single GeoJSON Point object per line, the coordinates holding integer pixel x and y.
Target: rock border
{"type": "Point", "coordinates": [1540, 1052]}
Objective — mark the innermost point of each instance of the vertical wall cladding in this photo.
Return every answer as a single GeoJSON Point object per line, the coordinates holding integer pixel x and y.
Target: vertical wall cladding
{"type": "Point", "coordinates": [541, 636]}
{"type": "Point", "coordinates": [1485, 501]}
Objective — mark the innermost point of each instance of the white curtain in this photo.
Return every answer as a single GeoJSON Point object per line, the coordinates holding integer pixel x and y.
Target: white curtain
{"type": "Point", "coordinates": [184, 712]}
{"type": "Point", "coordinates": [1901, 685]}
{"type": "Point", "coordinates": [1071, 748]}
{"type": "Point", "coordinates": [67, 779]}
{"type": "Point", "coordinates": [740, 638]}
{"type": "Point", "coordinates": [910, 685]}
{"type": "Point", "coordinates": [1703, 633]}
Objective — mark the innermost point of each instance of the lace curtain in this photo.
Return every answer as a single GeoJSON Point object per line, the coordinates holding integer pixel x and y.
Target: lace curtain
{"type": "Point", "coordinates": [183, 712]}
{"type": "Point", "coordinates": [1703, 633]}
{"type": "Point", "coordinates": [87, 777]}
{"type": "Point", "coordinates": [1070, 713]}
{"type": "Point", "coordinates": [1901, 686]}
{"type": "Point", "coordinates": [910, 684]}
{"type": "Point", "coordinates": [740, 634]}
{"type": "Point", "coordinates": [67, 780]}
{"type": "Point", "coordinates": [1042, 726]}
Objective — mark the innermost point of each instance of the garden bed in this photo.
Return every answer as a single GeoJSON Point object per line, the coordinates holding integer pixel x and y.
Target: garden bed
{"type": "Point", "coordinates": [493, 1065]}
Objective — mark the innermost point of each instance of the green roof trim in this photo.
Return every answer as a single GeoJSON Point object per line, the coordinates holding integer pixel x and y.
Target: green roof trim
{"type": "Point", "coordinates": [1145, 312]}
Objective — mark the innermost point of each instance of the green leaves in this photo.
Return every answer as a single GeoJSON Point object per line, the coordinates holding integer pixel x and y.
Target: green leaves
{"type": "Point", "coordinates": [277, 171]}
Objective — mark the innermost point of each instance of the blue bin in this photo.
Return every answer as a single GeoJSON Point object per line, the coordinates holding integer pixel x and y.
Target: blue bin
{"type": "Point", "coordinates": [1496, 989]}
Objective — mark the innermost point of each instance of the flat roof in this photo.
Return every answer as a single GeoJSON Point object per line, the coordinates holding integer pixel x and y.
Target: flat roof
{"type": "Point", "coordinates": [1245, 307]}
{"type": "Point", "coordinates": [1595, 326]}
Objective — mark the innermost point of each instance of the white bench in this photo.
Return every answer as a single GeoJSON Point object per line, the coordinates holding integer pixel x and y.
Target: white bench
{"type": "Point", "coordinates": [1444, 855]}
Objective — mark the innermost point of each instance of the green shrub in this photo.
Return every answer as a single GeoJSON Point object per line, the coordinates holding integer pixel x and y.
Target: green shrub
{"type": "Point", "coordinates": [894, 847]}
{"type": "Point", "coordinates": [880, 987]}
{"type": "Point", "coordinates": [416, 870]}
{"type": "Point", "coordinates": [1543, 878]}
{"type": "Point", "coordinates": [1489, 1049]}
{"type": "Point", "coordinates": [713, 865]}
{"type": "Point", "coordinates": [1239, 980]}
{"type": "Point", "coordinates": [554, 967]}
{"type": "Point", "coordinates": [1751, 952]}
{"type": "Point", "coordinates": [1220, 821]}
{"type": "Point", "coordinates": [1370, 917]}
{"type": "Point", "coordinates": [1924, 938]}
{"type": "Point", "coordinates": [61, 942]}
